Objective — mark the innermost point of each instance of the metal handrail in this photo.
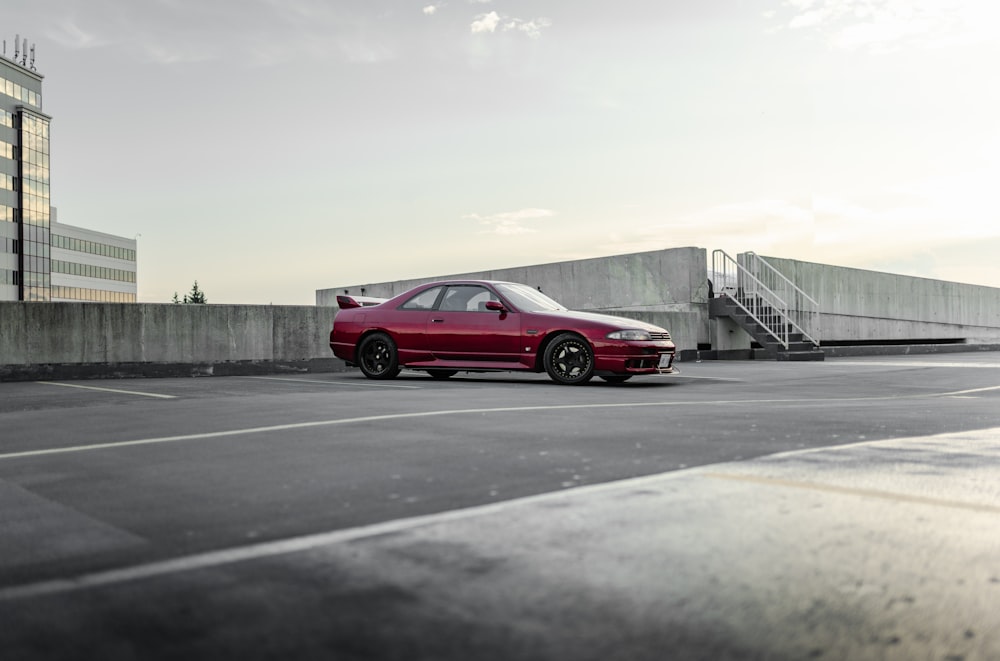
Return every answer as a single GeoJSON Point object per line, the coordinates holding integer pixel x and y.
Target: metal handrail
{"type": "Point", "coordinates": [760, 300]}
{"type": "Point", "coordinates": [804, 310]}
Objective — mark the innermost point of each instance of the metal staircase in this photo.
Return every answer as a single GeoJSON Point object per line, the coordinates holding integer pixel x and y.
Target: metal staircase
{"type": "Point", "coordinates": [777, 314]}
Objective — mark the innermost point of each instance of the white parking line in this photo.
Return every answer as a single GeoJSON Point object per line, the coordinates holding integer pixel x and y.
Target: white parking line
{"type": "Point", "coordinates": [448, 412]}
{"type": "Point", "coordinates": [275, 548]}
{"type": "Point", "coordinates": [961, 393]}
{"type": "Point", "coordinates": [262, 550]}
{"type": "Point", "coordinates": [124, 392]}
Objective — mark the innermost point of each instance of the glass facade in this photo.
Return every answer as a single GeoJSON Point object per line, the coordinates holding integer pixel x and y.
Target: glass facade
{"type": "Point", "coordinates": [35, 205]}
{"type": "Point", "coordinates": [92, 247]}
{"type": "Point", "coordinates": [92, 271]}
{"type": "Point", "coordinates": [20, 93]}
{"type": "Point", "coordinates": [92, 295]}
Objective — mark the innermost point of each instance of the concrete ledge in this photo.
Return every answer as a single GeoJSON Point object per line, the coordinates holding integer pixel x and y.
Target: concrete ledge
{"type": "Point", "coordinates": [691, 355]}
{"type": "Point", "coordinates": [79, 371]}
{"type": "Point", "coordinates": [905, 349]}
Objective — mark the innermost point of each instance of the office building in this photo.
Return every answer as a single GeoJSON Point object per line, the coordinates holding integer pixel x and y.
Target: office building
{"type": "Point", "coordinates": [41, 260]}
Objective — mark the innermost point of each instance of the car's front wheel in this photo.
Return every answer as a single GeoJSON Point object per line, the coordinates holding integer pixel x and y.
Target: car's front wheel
{"type": "Point", "coordinates": [377, 357]}
{"type": "Point", "coordinates": [569, 360]}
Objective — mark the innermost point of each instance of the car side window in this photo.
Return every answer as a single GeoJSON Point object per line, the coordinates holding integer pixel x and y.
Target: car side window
{"type": "Point", "coordinates": [423, 301]}
{"type": "Point", "coordinates": [467, 298]}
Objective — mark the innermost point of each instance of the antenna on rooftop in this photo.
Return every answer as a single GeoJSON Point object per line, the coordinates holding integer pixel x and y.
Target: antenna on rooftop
{"type": "Point", "coordinates": [17, 46]}
{"type": "Point", "coordinates": [24, 53]}
{"type": "Point", "coordinates": [33, 57]}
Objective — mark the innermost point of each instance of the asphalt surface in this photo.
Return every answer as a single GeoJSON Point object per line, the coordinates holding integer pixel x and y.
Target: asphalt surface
{"type": "Point", "coordinates": [739, 510]}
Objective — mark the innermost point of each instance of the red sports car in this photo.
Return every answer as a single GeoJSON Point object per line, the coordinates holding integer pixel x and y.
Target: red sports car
{"type": "Point", "coordinates": [483, 326]}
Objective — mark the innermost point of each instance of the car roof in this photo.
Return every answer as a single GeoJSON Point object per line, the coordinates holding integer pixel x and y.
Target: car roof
{"type": "Point", "coordinates": [463, 281]}
{"type": "Point", "coordinates": [454, 281]}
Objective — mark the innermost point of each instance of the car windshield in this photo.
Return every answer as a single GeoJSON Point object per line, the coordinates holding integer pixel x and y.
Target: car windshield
{"type": "Point", "coordinates": [526, 299]}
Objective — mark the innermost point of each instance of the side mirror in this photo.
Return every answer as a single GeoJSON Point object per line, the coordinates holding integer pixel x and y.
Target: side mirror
{"type": "Point", "coordinates": [495, 306]}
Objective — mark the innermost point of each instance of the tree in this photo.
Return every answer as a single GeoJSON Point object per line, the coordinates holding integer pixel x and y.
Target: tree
{"type": "Point", "coordinates": [196, 296]}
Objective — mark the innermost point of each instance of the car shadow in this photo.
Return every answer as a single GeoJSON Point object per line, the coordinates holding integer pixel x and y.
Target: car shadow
{"type": "Point", "coordinates": [539, 380]}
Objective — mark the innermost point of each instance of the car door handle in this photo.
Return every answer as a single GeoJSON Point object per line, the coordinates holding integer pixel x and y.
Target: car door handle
{"type": "Point", "coordinates": [437, 321]}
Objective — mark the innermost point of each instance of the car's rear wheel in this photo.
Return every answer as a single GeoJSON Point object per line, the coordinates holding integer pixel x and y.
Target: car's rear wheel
{"type": "Point", "coordinates": [569, 360]}
{"type": "Point", "coordinates": [617, 378]}
{"type": "Point", "coordinates": [377, 357]}
{"type": "Point", "coordinates": [442, 374]}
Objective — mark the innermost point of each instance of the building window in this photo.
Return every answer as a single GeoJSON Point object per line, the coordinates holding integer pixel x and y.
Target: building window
{"type": "Point", "coordinates": [34, 201]}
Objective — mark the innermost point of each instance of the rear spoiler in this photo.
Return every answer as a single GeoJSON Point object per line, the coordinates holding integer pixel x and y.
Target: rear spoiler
{"type": "Point", "coordinates": [347, 302]}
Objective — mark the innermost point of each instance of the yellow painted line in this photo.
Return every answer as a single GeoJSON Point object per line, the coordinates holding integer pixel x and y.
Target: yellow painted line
{"type": "Point", "coordinates": [854, 491]}
{"type": "Point", "coordinates": [124, 392]}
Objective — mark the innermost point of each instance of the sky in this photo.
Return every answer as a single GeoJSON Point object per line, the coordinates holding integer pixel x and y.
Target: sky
{"type": "Point", "coordinates": [270, 148]}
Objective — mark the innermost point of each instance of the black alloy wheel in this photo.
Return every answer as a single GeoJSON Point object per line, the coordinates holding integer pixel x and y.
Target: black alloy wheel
{"type": "Point", "coordinates": [377, 357]}
{"type": "Point", "coordinates": [569, 360]}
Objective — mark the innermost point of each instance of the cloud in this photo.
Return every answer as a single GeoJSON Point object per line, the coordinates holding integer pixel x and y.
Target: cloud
{"type": "Point", "coordinates": [888, 25]}
{"type": "Point", "coordinates": [810, 18]}
{"type": "Point", "coordinates": [485, 23]}
{"type": "Point", "coordinates": [430, 10]}
{"type": "Point", "coordinates": [492, 22]}
{"type": "Point", "coordinates": [69, 34]}
{"type": "Point", "coordinates": [510, 222]}
{"type": "Point", "coordinates": [532, 28]}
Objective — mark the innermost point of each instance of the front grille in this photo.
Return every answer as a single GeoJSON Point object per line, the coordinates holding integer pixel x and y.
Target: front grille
{"type": "Point", "coordinates": [660, 336]}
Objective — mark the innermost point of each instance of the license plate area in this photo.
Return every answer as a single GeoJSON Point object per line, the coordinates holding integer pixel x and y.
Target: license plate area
{"type": "Point", "coordinates": [665, 360]}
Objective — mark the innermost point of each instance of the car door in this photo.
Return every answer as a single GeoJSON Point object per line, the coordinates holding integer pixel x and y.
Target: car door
{"type": "Point", "coordinates": [408, 323]}
{"type": "Point", "coordinates": [462, 329]}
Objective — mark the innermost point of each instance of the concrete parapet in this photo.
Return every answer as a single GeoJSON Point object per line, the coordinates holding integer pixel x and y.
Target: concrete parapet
{"type": "Point", "coordinates": [45, 340]}
{"type": "Point", "coordinates": [857, 305]}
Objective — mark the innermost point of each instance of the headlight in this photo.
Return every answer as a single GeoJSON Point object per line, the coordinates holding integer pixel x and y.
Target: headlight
{"type": "Point", "coordinates": [636, 335]}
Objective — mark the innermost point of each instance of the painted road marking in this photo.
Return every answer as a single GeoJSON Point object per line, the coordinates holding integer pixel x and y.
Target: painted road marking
{"type": "Point", "coordinates": [310, 542]}
{"type": "Point", "coordinates": [448, 412]}
{"type": "Point", "coordinates": [138, 393]}
{"type": "Point", "coordinates": [959, 393]}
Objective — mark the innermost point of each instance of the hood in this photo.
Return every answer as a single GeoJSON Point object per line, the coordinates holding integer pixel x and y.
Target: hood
{"type": "Point", "coordinates": [607, 319]}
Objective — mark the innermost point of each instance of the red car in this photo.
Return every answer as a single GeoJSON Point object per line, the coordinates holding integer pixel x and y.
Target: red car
{"type": "Point", "coordinates": [483, 326]}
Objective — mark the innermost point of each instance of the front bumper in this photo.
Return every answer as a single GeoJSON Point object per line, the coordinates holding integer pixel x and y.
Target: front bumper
{"type": "Point", "coordinates": [634, 360]}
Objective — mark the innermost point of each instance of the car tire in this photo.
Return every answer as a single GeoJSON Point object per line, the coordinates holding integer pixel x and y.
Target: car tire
{"type": "Point", "coordinates": [617, 378]}
{"type": "Point", "coordinates": [442, 374]}
{"type": "Point", "coordinates": [377, 357]}
{"type": "Point", "coordinates": [569, 360]}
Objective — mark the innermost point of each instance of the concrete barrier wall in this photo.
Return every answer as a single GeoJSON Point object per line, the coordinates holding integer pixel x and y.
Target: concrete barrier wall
{"type": "Point", "coordinates": [666, 287]}
{"type": "Point", "coordinates": [861, 305]}
{"type": "Point", "coordinates": [125, 338]}
{"type": "Point", "coordinates": [671, 283]}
